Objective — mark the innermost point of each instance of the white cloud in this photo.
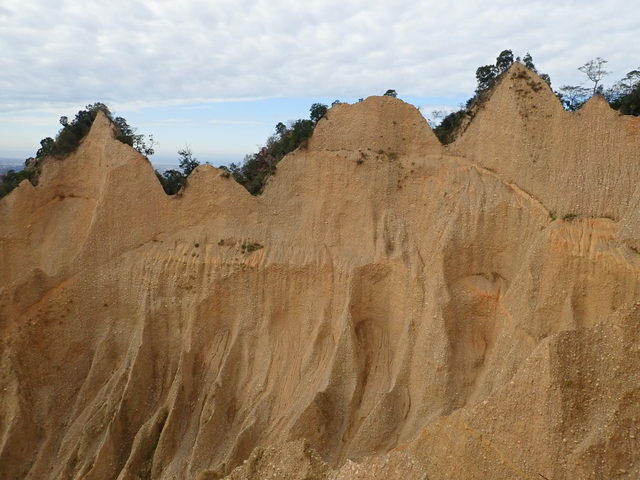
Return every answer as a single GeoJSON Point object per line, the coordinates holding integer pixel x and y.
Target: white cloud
{"type": "Point", "coordinates": [434, 114]}
{"type": "Point", "coordinates": [159, 52]}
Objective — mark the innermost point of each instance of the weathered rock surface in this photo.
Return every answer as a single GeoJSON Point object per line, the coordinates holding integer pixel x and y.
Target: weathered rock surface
{"type": "Point", "coordinates": [389, 308]}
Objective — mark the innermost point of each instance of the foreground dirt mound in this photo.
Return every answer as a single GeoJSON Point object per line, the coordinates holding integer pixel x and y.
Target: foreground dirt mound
{"type": "Point", "coordinates": [387, 309]}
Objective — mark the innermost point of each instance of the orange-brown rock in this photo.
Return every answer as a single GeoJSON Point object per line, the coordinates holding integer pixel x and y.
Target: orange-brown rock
{"type": "Point", "coordinates": [388, 308]}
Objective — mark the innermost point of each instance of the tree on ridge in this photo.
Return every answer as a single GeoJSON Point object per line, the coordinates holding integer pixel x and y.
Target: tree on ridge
{"type": "Point", "coordinates": [594, 70]}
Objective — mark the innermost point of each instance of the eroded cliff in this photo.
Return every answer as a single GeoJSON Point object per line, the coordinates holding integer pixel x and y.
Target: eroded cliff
{"type": "Point", "coordinates": [388, 308]}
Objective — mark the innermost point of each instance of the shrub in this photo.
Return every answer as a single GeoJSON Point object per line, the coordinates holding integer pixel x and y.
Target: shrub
{"type": "Point", "coordinates": [72, 133]}
{"type": "Point", "coordinates": [173, 180]}
{"type": "Point", "coordinates": [629, 104]}
{"type": "Point", "coordinates": [12, 179]}
{"type": "Point", "coordinates": [256, 168]}
{"type": "Point", "coordinates": [248, 247]}
{"type": "Point", "coordinates": [487, 77]}
{"type": "Point", "coordinates": [67, 141]}
{"type": "Point", "coordinates": [448, 128]}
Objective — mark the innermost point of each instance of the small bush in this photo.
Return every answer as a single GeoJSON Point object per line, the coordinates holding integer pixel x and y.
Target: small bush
{"type": "Point", "coordinates": [12, 179]}
{"type": "Point", "coordinates": [72, 133]}
{"type": "Point", "coordinates": [173, 180]}
{"type": "Point", "coordinates": [448, 128]}
{"type": "Point", "coordinates": [67, 141]}
{"type": "Point", "coordinates": [248, 247]}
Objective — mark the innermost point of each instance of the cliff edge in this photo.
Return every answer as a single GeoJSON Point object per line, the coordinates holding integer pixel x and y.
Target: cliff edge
{"type": "Point", "coordinates": [388, 309]}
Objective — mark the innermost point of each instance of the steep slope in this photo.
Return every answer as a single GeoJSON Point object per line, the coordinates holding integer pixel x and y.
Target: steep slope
{"type": "Point", "coordinates": [386, 309]}
{"type": "Point", "coordinates": [582, 162]}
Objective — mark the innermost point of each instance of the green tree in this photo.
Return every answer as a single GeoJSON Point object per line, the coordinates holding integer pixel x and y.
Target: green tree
{"type": "Point", "coordinates": [628, 83]}
{"type": "Point", "coordinates": [68, 139]}
{"type": "Point", "coordinates": [72, 132]}
{"type": "Point", "coordinates": [504, 61]}
{"type": "Point", "coordinates": [448, 127]}
{"type": "Point", "coordinates": [527, 61]}
{"type": "Point", "coordinates": [486, 77]}
{"type": "Point", "coordinates": [12, 179]}
{"type": "Point", "coordinates": [630, 103]}
{"type": "Point", "coordinates": [624, 95]}
{"type": "Point", "coordinates": [256, 168]}
{"type": "Point", "coordinates": [187, 161]}
{"type": "Point", "coordinates": [391, 93]}
{"type": "Point", "coordinates": [127, 134]}
{"type": "Point", "coordinates": [46, 147]}
{"type": "Point", "coordinates": [173, 180]}
{"type": "Point", "coordinates": [316, 112]}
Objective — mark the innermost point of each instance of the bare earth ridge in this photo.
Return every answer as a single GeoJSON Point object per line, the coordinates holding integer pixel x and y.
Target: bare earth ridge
{"type": "Point", "coordinates": [388, 309]}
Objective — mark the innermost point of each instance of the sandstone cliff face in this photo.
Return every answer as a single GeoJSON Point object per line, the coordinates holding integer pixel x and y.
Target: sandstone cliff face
{"type": "Point", "coordinates": [388, 308]}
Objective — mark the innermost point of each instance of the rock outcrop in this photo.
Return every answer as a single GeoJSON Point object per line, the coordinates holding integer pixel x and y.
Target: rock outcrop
{"type": "Point", "coordinates": [389, 308]}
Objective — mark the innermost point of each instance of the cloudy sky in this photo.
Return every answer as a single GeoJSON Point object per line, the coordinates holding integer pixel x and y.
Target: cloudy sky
{"type": "Point", "coordinates": [217, 75]}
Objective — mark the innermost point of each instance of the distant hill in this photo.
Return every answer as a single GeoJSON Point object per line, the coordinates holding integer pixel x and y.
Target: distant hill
{"type": "Point", "coordinates": [11, 160]}
{"type": "Point", "coordinates": [7, 164]}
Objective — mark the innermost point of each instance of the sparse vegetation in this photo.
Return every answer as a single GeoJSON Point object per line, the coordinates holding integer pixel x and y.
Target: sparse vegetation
{"type": "Point", "coordinates": [12, 179]}
{"type": "Point", "coordinates": [173, 180]}
{"type": "Point", "coordinates": [248, 247]}
{"type": "Point", "coordinates": [256, 168]}
{"type": "Point", "coordinates": [624, 95]}
{"type": "Point", "coordinates": [594, 70]}
{"type": "Point", "coordinates": [317, 112]}
{"type": "Point", "coordinates": [486, 76]}
{"type": "Point", "coordinates": [67, 141]}
{"type": "Point", "coordinates": [447, 129]}
{"type": "Point", "coordinates": [72, 133]}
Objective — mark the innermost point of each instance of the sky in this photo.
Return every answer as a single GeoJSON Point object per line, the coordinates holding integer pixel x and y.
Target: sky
{"type": "Point", "coordinates": [217, 75]}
